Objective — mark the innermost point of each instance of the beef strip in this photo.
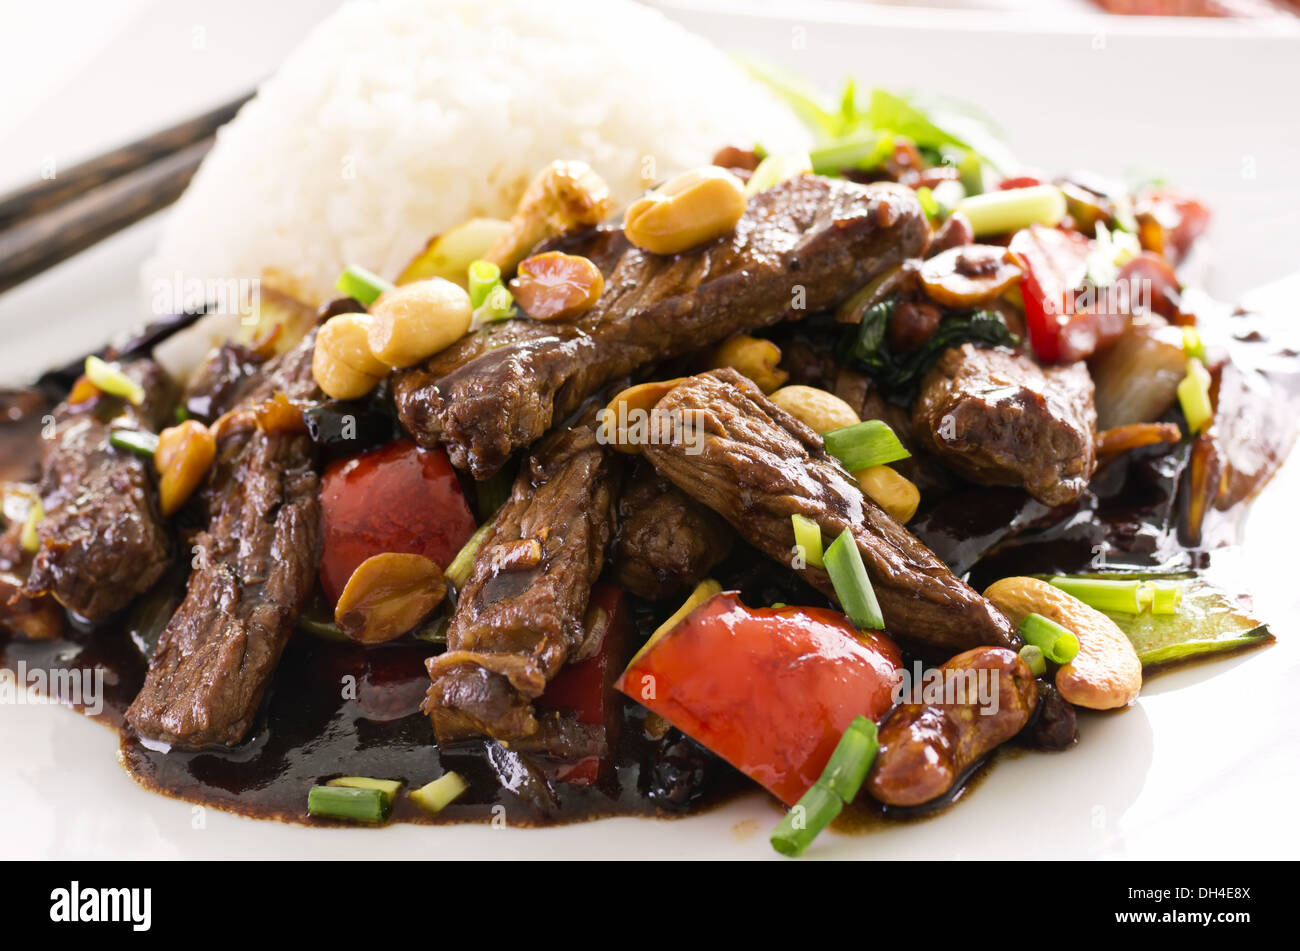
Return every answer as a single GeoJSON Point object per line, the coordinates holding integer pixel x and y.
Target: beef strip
{"type": "Point", "coordinates": [221, 379]}
{"type": "Point", "coordinates": [998, 418]}
{"type": "Point", "coordinates": [756, 465]}
{"type": "Point", "coordinates": [102, 539]}
{"type": "Point", "coordinates": [667, 542]}
{"type": "Point", "coordinates": [256, 564]}
{"type": "Point", "coordinates": [801, 246]}
{"type": "Point", "coordinates": [522, 614]}
{"type": "Point", "coordinates": [35, 618]}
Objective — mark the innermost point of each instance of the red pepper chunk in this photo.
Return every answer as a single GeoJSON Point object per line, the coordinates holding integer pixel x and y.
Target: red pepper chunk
{"type": "Point", "coordinates": [398, 498]}
{"type": "Point", "coordinates": [770, 690]}
{"type": "Point", "coordinates": [1055, 262]}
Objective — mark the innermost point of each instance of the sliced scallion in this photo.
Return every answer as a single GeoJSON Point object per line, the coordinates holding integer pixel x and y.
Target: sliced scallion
{"type": "Point", "coordinates": [808, 536]}
{"type": "Point", "coordinates": [1032, 655]}
{"type": "Point", "coordinates": [1057, 644]}
{"type": "Point", "coordinates": [1104, 595]}
{"type": "Point", "coordinates": [863, 445]}
{"type": "Point", "coordinates": [1161, 598]}
{"type": "Point", "coordinates": [1002, 212]}
{"type": "Point", "coordinates": [365, 286]}
{"type": "Point", "coordinates": [388, 787]}
{"type": "Point", "coordinates": [109, 378]}
{"type": "Point", "coordinates": [138, 441]}
{"type": "Point", "coordinates": [439, 794]}
{"type": "Point", "coordinates": [837, 786]}
{"type": "Point", "coordinates": [28, 538]}
{"type": "Point", "coordinates": [1194, 396]}
{"type": "Point", "coordinates": [859, 152]}
{"type": "Point", "coordinates": [498, 305]}
{"type": "Point", "coordinates": [342, 802]}
{"type": "Point", "coordinates": [852, 586]}
{"type": "Point", "coordinates": [1193, 346]}
{"type": "Point", "coordinates": [483, 276]}
{"type": "Point", "coordinates": [459, 570]}
{"type": "Point", "coordinates": [775, 169]}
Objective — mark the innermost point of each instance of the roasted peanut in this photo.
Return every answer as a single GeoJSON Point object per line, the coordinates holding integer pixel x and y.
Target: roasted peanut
{"type": "Point", "coordinates": [342, 363]}
{"type": "Point", "coordinates": [183, 457]}
{"type": "Point", "coordinates": [818, 410]}
{"type": "Point", "coordinates": [695, 207]}
{"type": "Point", "coordinates": [387, 596]}
{"type": "Point", "coordinates": [751, 357]}
{"type": "Point", "coordinates": [894, 493]}
{"type": "Point", "coordinates": [1106, 673]}
{"type": "Point", "coordinates": [563, 196]}
{"type": "Point", "coordinates": [557, 286]}
{"type": "Point", "coordinates": [625, 420]}
{"type": "Point", "coordinates": [413, 322]}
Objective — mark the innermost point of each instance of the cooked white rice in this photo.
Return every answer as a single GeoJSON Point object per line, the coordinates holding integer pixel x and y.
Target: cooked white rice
{"type": "Point", "coordinates": [398, 119]}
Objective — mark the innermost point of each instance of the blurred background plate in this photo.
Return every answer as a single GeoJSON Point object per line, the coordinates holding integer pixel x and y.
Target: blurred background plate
{"type": "Point", "coordinates": [1200, 772]}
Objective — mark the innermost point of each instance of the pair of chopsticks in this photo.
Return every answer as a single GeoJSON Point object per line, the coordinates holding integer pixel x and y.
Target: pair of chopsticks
{"type": "Point", "coordinates": [52, 219]}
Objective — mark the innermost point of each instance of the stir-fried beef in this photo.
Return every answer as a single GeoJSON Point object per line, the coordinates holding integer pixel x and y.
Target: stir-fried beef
{"type": "Point", "coordinates": [802, 246]}
{"type": "Point", "coordinates": [757, 465]}
{"type": "Point", "coordinates": [999, 418]}
{"type": "Point", "coordinates": [255, 567]}
{"type": "Point", "coordinates": [102, 539]}
{"type": "Point", "coordinates": [667, 542]}
{"type": "Point", "coordinates": [35, 618]}
{"type": "Point", "coordinates": [221, 379]}
{"type": "Point", "coordinates": [522, 614]}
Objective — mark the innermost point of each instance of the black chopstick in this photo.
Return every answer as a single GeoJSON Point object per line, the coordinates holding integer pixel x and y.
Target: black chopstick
{"type": "Point", "coordinates": [49, 221]}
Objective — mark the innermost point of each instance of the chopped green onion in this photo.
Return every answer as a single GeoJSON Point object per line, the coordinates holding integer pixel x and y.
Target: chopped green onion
{"type": "Point", "coordinates": [1194, 396]}
{"type": "Point", "coordinates": [1193, 346]}
{"type": "Point", "coordinates": [325, 630]}
{"type": "Point", "coordinates": [837, 786]}
{"type": "Point", "coordinates": [138, 441]}
{"type": "Point", "coordinates": [775, 169]}
{"type": "Point", "coordinates": [483, 276]}
{"type": "Point", "coordinates": [1057, 644]}
{"type": "Point", "coordinates": [387, 787]}
{"type": "Point", "coordinates": [28, 538]}
{"type": "Point", "coordinates": [852, 586]}
{"type": "Point", "coordinates": [859, 152]}
{"type": "Point", "coordinates": [363, 285]}
{"type": "Point", "coordinates": [181, 413]}
{"type": "Point", "coordinates": [439, 794]}
{"type": "Point", "coordinates": [808, 536]}
{"type": "Point", "coordinates": [498, 305]}
{"type": "Point", "coordinates": [492, 493]}
{"type": "Point", "coordinates": [341, 802]}
{"type": "Point", "coordinates": [109, 378]}
{"type": "Point", "coordinates": [849, 764]}
{"type": "Point", "coordinates": [1121, 596]}
{"type": "Point", "coordinates": [1032, 655]}
{"type": "Point", "coordinates": [1161, 598]}
{"type": "Point", "coordinates": [1005, 211]}
{"type": "Point", "coordinates": [863, 445]}
{"type": "Point", "coordinates": [459, 570]}
{"type": "Point", "coordinates": [928, 204]}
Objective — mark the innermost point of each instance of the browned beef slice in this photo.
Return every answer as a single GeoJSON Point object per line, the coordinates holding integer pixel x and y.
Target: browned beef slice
{"type": "Point", "coordinates": [802, 246]}
{"type": "Point", "coordinates": [255, 567]}
{"type": "Point", "coordinates": [221, 379]}
{"type": "Point", "coordinates": [102, 539]}
{"type": "Point", "coordinates": [998, 418]}
{"type": "Point", "coordinates": [667, 542]}
{"type": "Point", "coordinates": [756, 465]}
{"type": "Point", "coordinates": [522, 614]}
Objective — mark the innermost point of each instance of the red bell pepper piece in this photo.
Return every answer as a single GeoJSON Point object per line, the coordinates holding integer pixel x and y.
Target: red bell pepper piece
{"type": "Point", "coordinates": [585, 690]}
{"type": "Point", "coordinates": [1019, 181]}
{"type": "Point", "coordinates": [1169, 221]}
{"type": "Point", "coordinates": [770, 690]}
{"type": "Point", "coordinates": [1055, 264]}
{"type": "Point", "coordinates": [398, 498]}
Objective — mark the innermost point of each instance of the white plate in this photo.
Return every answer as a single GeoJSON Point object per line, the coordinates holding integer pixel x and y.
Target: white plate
{"type": "Point", "coordinates": [1199, 768]}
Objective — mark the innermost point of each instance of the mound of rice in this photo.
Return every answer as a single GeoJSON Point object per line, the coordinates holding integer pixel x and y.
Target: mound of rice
{"type": "Point", "coordinates": [398, 119]}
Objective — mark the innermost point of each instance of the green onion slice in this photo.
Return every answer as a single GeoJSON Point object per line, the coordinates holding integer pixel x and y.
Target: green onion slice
{"type": "Point", "coordinates": [1057, 644]}
{"type": "Point", "coordinates": [838, 785]}
{"type": "Point", "coordinates": [1161, 598]}
{"type": "Point", "coordinates": [1194, 396]}
{"type": "Point", "coordinates": [1122, 596]}
{"type": "Point", "coordinates": [439, 794]}
{"type": "Point", "coordinates": [28, 538]}
{"type": "Point", "coordinates": [388, 787]}
{"type": "Point", "coordinates": [498, 305]}
{"type": "Point", "coordinates": [134, 440]}
{"type": "Point", "coordinates": [1001, 212]}
{"type": "Point", "coordinates": [483, 276]}
{"type": "Point", "coordinates": [109, 378]}
{"type": "Point", "coordinates": [365, 286]}
{"type": "Point", "coordinates": [1193, 346]}
{"type": "Point", "coordinates": [341, 802]}
{"type": "Point", "coordinates": [775, 169]}
{"type": "Point", "coordinates": [1032, 655]}
{"type": "Point", "coordinates": [863, 445]}
{"type": "Point", "coordinates": [459, 570]}
{"type": "Point", "coordinates": [852, 586]}
{"type": "Point", "coordinates": [808, 536]}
